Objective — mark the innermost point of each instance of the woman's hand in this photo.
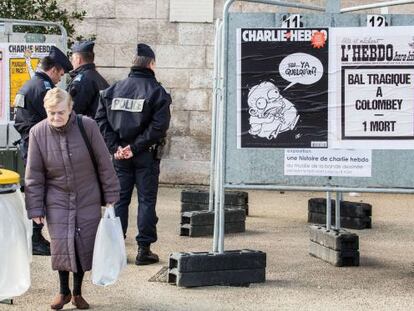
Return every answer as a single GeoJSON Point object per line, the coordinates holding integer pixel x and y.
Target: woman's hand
{"type": "Point", "coordinates": [39, 220]}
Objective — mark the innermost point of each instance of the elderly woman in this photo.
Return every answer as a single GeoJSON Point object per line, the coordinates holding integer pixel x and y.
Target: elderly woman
{"type": "Point", "coordinates": [62, 186]}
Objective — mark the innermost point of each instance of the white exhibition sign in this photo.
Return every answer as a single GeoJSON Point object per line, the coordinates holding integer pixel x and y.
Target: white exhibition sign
{"type": "Point", "coordinates": [328, 162]}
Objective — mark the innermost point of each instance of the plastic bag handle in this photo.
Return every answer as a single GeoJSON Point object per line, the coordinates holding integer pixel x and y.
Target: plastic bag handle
{"type": "Point", "coordinates": [109, 212]}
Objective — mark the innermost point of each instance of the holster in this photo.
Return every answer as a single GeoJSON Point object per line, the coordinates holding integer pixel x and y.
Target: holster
{"type": "Point", "coordinates": [160, 149]}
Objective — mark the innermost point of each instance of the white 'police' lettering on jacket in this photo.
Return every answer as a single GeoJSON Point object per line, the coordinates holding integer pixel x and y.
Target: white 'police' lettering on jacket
{"type": "Point", "coordinates": [127, 104]}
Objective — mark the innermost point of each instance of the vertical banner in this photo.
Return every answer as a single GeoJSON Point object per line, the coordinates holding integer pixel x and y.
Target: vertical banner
{"type": "Point", "coordinates": [22, 63]}
{"type": "Point", "coordinates": [373, 88]}
{"type": "Point", "coordinates": [282, 88]}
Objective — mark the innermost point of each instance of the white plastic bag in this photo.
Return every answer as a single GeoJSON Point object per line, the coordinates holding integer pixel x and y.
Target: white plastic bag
{"type": "Point", "coordinates": [15, 246]}
{"type": "Point", "coordinates": [109, 256]}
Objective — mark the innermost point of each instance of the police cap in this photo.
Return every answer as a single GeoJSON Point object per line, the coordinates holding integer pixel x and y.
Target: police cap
{"type": "Point", "coordinates": [145, 50]}
{"type": "Point", "coordinates": [83, 47]}
{"type": "Point", "coordinates": [60, 58]}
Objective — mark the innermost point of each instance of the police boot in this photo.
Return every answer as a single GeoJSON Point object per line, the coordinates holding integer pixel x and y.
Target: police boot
{"type": "Point", "coordinates": [40, 246]}
{"type": "Point", "coordinates": [145, 256]}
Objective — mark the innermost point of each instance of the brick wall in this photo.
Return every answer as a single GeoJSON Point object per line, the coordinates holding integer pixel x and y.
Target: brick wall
{"type": "Point", "coordinates": [184, 66]}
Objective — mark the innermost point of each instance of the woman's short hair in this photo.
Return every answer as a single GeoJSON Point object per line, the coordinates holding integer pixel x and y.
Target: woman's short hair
{"type": "Point", "coordinates": [55, 96]}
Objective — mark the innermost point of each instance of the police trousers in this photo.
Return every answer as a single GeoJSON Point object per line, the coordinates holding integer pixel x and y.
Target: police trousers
{"type": "Point", "coordinates": [141, 171]}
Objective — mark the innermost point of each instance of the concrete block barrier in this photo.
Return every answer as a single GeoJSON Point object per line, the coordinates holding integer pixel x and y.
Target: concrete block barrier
{"type": "Point", "coordinates": [190, 207]}
{"type": "Point", "coordinates": [208, 230]}
{"type": "Point", "coordinates": [347, 258]}
{"type": "Point", "coordinates": [348, 209]}
{"type": "Point", "coordinates": [338, 247]}
{"type": "Point", "coordinates": [202, 218]}
{"type": "Point", "coordinates": [232, 268]}
{"type": "Point", "coordinates": [207, 261]}
{"type": "Point", "coordinates": [202, 196]}
{"type": "Point", "coordinates": [334, 239]}
{"type": "Point", "coordinates": [346, 222]}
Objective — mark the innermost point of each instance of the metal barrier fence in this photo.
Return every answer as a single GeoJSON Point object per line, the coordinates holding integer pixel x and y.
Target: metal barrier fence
{"type": "Point", "coordinates": [230, 163]}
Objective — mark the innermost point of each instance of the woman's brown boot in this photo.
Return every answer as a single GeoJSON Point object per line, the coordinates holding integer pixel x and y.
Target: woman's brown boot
{"type": "Point", "coordinates": [59, 301]}
{"type": "Point", "coordinates": [79, 302]}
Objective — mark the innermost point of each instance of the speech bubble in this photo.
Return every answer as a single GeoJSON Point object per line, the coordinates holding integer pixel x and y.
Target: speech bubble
{"type": "Point", "coordinates": [300, 68]}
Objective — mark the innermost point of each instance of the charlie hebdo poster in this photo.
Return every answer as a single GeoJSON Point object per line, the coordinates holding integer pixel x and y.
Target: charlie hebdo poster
{"type": "Point", "coordinates": [22, 63]}
{"type": "Point", "coordinates": [373, 88]}
{"type": "Point", "coordinates": [282, 88]}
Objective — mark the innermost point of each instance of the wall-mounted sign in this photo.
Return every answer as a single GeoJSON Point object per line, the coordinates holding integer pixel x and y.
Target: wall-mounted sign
{"type": "Point", "coordinates": [200, 11]}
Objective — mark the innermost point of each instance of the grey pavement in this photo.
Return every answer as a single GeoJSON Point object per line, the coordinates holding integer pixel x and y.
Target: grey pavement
{"type": "Point", "coordinates": [278, 226]}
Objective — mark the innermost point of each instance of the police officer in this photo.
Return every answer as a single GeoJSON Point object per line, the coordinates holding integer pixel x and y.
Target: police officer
{"type": "Point", "coordinates": [29, 111]}
{"type": "Point", "coordinates": [133, 116]}
{"type": "Point", "coordinates": [86, 81]}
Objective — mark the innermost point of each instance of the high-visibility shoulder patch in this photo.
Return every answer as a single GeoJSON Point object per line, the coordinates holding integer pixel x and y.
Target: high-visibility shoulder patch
{"type": "Point", "coordinates": [127, 104]}
{"type": "Point", "coordinates": [47, 85]}
{"type": "Point", "coordinates": [19, 101]}
{"type": "Point", "coordinates": [78, 78]}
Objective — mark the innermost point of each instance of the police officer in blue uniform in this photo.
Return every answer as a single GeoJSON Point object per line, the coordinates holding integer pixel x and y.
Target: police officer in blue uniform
{"type": "Point", "coordinates": [29, 111]}
{"type": "Point", "coordinates": [133, 116]}
{"type": "Point", "coordinates": [86, 81]}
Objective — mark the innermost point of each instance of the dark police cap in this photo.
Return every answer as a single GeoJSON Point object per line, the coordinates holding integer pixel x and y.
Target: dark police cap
{"type": "Point", "coordinates": [145, 50]}
{"type": "Point", "coordinates": [60, 58]}
{"type": "Point", "coordinates": [83, 46]}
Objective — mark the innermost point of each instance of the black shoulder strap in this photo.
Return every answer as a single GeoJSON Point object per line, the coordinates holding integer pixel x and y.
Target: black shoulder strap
{"type": "Point", "coordinates": [88, 145]}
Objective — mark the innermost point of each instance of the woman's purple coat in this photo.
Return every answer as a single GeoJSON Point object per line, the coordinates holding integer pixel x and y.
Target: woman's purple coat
{"type": "Point", "coordinates": [61, 185]}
